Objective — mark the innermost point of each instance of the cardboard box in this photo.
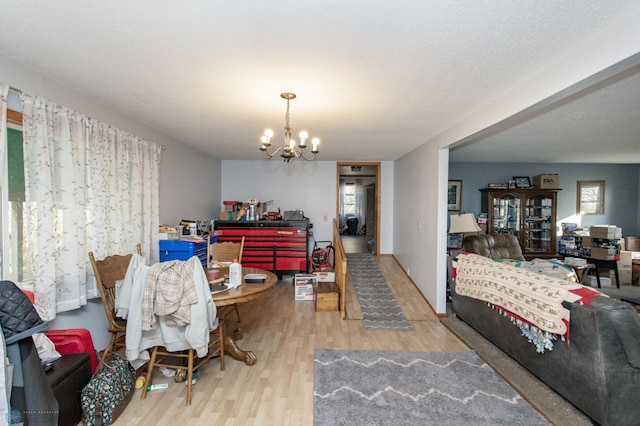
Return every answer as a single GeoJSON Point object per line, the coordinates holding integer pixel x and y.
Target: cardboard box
{"type": "Point", "coordinates": [547, 181]}
{"type": "Point", "coordinates": [607, 232]}
{"type": "Point", "coordinates": [326, 276]}
{"type": "Point", "coordinates": [592, 281]}
{"type": "Point", "coordinates": [575, 261]}
{"type": "Point", "coordinates": [304, 284]}
{"type": "Point", "coordinates": [587, 242]}
{"type": "Point", "coordinates": [603, 253]}
{"type": "Point", "coordinates": [625, 277]}
{"type": "Point", "coordinates": [635, 273]}
{"type": "Point", "coordinates": [632, 243]}
{"type": "Point", "coordinates": [327, 297]}
{"type": "Point", "coordinates": [626, 258]}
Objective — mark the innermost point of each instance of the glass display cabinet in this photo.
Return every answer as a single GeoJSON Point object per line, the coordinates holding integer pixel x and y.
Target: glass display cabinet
{"type": "Point", "coordinates": [529, 214]}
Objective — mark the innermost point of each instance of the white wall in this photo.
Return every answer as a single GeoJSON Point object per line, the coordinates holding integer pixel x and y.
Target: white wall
{"type": "Point", "coordinates": [416, 243]}
{"type": "Point", "coordinates": [300, 185]}
{"type": "Point", "coordinates": [638, 209]}
{"type": "Point", "coordinates": [387, 202]}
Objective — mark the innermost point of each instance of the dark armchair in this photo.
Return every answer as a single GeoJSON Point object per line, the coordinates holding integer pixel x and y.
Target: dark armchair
{"type": "Point", "coordinates": [493, 246]}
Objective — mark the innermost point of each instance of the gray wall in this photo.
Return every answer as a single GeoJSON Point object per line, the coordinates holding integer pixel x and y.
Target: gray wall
{"type": "Point", "coordinates": [622, 188]}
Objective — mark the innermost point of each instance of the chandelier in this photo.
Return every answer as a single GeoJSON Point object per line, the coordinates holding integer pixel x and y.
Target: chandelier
{"type": "Point", "coordinates": [289, 150]}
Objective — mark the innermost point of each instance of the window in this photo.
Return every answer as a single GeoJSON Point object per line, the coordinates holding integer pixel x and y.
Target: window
{"type": "Point", "coordinates": [349, 199]}
{"type": "Point", "coordinates": [590, 197]}
{"type": "Point", "coordinates": [16, 261]}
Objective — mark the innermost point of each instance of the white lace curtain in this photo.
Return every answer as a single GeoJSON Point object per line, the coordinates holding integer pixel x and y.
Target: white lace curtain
{"type": "Point", "coordinates": [89, 187]}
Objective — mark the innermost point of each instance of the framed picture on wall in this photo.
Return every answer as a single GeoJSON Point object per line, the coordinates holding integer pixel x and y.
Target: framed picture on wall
{"type": "Point", "coordinates": [454, 195]}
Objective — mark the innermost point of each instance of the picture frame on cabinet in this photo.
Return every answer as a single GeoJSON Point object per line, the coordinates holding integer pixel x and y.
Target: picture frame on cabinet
{"type": "Point", "coordinates": [522, 182]}
{"type": "Point", "coordinates": [454, 195]}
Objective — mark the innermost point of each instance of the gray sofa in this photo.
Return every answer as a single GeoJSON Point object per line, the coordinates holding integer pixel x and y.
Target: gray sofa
{"type": "Point", "coordinates": [598, 370]}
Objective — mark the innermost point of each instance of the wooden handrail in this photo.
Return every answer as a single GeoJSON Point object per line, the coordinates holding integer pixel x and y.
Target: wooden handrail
{"type": "Point", "coordinates": [340, 268]}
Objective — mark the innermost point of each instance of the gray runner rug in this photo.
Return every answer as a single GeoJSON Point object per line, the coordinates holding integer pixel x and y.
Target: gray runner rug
{"type": "Point", "coordinates": [380, 309]}
{"type": "Point", "coordinates": [413, 388]}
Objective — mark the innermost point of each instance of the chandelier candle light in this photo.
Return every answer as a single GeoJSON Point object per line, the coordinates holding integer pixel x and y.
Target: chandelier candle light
{"type": "Point", "coordinates": [289, 150]}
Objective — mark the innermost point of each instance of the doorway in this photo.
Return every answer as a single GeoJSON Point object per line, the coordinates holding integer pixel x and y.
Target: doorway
{"type": "Point", "coordinates": [358, 206]}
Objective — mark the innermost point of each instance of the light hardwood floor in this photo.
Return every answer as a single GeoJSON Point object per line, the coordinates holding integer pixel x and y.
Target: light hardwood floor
{"type": "Point", "coordinates": [283, 333]}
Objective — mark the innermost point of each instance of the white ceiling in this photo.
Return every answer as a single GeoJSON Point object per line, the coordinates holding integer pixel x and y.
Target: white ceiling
{"type": "Point", "coordinates": [375, 79]}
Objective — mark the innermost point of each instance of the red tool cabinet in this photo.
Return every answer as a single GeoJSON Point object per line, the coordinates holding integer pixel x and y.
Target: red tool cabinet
{"type": "Point", "coordinates": [278, 246]}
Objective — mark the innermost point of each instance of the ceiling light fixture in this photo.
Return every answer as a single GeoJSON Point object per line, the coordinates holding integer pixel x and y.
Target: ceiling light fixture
{"type": "Point", "coordinates": [289, 150]}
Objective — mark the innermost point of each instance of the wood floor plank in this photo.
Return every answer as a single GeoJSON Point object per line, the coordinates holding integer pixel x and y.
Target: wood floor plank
{"type": "Point", "coordinates": [278, 389]}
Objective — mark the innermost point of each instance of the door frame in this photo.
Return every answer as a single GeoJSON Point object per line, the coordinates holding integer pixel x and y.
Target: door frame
{"type": "Point", "coordinates": [376, 165]}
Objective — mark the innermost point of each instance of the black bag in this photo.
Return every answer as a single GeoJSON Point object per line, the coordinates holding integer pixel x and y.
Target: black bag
{"type": "Point", "coordinates": [108, 392]}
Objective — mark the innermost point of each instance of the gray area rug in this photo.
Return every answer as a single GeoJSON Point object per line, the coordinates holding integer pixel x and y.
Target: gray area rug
{"type": "Point", "coordinates": [413, 388]}
{"type": "Point", "coordinates": [553, 406]}
{"type": "Point", "coordinates": [380, 309]}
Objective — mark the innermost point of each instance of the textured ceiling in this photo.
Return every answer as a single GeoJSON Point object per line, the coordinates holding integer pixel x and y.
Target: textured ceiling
{"type": "Point", "coordinates": [375, 79]}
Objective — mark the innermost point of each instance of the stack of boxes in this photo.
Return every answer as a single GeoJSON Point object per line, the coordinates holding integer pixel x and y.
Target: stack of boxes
{"type": "Point", "coordinates": [567, 244]}
{"type": "Point", "coordinates": [604, 241]}
{"type": "Point", "coordinates": [571, 240]}
{"type": "Point", "coordinates": [320, 287]}
{"type": "Point", "coordinates": [601, 242]}
{"type": "Point", "coordinates": [629, 263]}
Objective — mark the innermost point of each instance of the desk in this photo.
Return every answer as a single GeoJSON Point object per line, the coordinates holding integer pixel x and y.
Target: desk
{"type": "Point", "coordinates": [242, 294]}
{"type": "Point", "coordinates": [599, 264]}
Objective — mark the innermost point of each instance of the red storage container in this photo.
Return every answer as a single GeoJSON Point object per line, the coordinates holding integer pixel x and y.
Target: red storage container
{"type": "Point", "coordinates": [74, 340]}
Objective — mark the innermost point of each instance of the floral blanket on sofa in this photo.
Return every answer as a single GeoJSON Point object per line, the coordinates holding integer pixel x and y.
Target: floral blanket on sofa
{"type": "Point", "coordinates": [532, 300]}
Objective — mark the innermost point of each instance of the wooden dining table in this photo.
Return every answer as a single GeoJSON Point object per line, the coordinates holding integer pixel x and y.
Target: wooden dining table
{"type": "Point", "coordinates": [246, 292]}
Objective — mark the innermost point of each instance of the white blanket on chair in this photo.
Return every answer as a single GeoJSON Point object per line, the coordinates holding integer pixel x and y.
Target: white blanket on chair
{"type": "Point", "coordinates": [195, 335]}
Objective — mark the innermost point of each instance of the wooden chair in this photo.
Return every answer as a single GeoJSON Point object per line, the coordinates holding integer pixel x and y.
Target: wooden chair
{"type": "Point", "coordinates": [160, 357]}
{"type": "Point", "coordinates": [217, 253]}
{"type": "Point", "coordinates": [224, 252]}
{"type": "Point", "coordinates": [108, 272]}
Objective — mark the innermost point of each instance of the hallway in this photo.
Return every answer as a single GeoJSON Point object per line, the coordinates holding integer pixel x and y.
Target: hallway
{"type": "Point", "coordinates": [355, 243]}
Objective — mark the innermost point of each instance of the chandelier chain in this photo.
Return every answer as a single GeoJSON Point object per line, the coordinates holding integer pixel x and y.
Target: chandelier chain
{"type": "Point", "coordinates": [286, 117]}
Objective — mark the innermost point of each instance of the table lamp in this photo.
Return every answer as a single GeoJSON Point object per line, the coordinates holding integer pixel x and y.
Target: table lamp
{"type": "Point", "coordinates": [463, 224]}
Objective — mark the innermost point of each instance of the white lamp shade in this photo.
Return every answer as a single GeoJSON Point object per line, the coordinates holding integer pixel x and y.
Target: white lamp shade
{"type": "Point", "coordinates": [463, 224]}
